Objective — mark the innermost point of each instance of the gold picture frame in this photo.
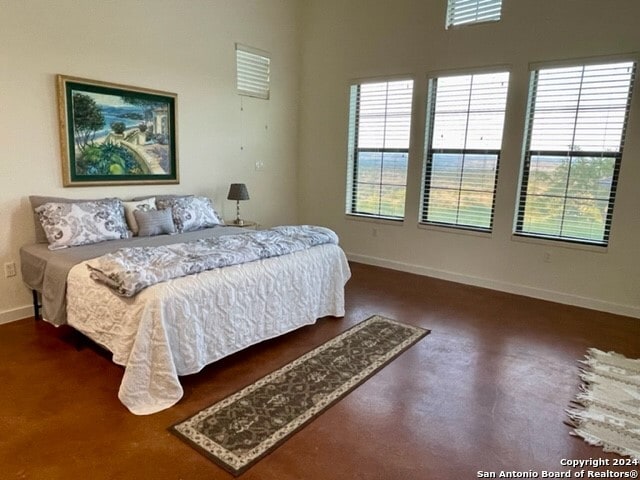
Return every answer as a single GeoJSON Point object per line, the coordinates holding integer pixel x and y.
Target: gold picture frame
{"type": "Point", "coordinates": [112, 134]}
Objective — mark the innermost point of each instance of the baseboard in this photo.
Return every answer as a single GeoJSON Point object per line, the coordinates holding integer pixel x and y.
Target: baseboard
{"type": "Point", "coordinates": [550, 295]}
{"type": "Point", "coordinates": [19, 313]}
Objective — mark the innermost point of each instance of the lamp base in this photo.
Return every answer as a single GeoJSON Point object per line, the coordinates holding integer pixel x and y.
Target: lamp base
{"type": "Point", "coordinates": [238, 220]}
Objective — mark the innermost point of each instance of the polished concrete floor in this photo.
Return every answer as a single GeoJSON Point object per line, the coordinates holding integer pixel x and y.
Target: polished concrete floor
{"type": "Point", "coordinates": [484, 392]}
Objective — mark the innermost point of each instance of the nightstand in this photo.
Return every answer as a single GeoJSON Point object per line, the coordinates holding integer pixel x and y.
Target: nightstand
{"type": "Point", "coordinates": [246, 224]}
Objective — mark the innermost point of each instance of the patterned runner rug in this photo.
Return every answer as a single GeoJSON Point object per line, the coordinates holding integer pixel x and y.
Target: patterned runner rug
{"type": "Point", "coordinates": [239, 430]}
{"type": "Point", "coordinates": [608, 412]}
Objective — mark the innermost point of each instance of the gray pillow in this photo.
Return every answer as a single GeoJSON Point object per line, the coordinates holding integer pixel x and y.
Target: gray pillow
{"type": "Point", "coordinates": [130, 207]}
{"type": "Point", "coordinates": [154, 222]}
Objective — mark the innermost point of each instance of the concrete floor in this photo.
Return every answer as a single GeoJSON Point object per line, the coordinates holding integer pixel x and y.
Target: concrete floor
{"type": "Point", "coordinates": [484, 392]}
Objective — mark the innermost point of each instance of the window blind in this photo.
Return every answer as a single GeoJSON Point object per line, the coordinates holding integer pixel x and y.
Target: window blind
{"type": "Point", "coordinates": [252, 72]}
{"type": "Point", "coordinates": [378, 151]}
{"type": "Point", "coordinates": [574, 140]}
{"type": "Point", "coordinates": [461, 12]}
{"type": "Point", "coordinates": [464, 139]}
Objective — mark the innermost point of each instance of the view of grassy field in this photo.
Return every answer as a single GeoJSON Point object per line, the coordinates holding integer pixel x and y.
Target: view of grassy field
{"type": "Point", "coordinates": [458, 196]}
{"type": "Point", "coordinates": [461, 189]}
{"type": "Point", "coordinates": [568, 196]}
{"type": "Point", "coordinates": [565, 196]}
{"type": "Point", "coordinates": [381, 183]}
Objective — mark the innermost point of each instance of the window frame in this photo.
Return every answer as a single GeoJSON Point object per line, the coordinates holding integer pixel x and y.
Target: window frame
{"type": "Point", "coordinates": [353, 149]}
{"type": "Point", "coordinates": [527, 153]}
{"type": "Point", "coordinates": [429, 151]}
{"type": "Point", "coordinates": [263, 90]}
{"type": "Point", "coordinates": [450, 18]}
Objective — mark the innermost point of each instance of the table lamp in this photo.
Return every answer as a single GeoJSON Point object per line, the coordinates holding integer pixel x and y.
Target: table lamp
{"type": "Point", "coordinates": [237, 192]}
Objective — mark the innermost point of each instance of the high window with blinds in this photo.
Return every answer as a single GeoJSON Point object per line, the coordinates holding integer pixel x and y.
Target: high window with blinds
{"type": "Point", "coordinates": [464, 12]}
{"type": "Point", "coordinates": [378, 150]}
{"type": "Point", "coordinates": [575, 134]}
{"type": "Point", "coordinates": [465, 118]}
{"type": "Point", "coordinates": [252, 72]}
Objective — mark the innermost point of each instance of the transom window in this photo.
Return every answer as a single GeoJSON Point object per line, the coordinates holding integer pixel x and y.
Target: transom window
{"type": "Point", "coordinates": [465, 117]}
{"type": "Point", "coordinates": [575, 135]}
{"type": "Point", "coordinates": [378, 150]}
{"type": "Point", "coordinates": [464, 12]}
{"type": "Point", "coordinates": [252, 72]}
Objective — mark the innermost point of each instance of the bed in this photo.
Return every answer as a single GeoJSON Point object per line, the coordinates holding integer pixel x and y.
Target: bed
{"type": "Point", "coordinates": [178, 326]}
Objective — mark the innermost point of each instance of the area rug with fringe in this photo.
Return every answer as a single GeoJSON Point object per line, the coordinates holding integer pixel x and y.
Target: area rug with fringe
{"type": "Point", "coordinates": [608, 407]}
{"type": "Point", "coordinates": [244, 427]}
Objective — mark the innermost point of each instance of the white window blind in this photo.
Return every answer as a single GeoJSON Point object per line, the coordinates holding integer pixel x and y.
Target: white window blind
{"type": "Point", "coordinates": [252, 72]}
{"type": "Point", "coordinates": [378, 150]}
{"type": "Point", "coordinates": [464, 138]}
{"type": "Point", "coordinates": [462, 12]}
{"type": "Point", "coordinates": [575, 136]}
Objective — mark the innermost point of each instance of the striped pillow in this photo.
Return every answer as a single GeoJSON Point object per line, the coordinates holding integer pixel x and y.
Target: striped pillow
{"type": "Point", "coordinates": [154, 222]}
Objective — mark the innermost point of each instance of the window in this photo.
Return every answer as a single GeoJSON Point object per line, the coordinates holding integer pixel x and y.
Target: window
{"type": "Point", "coordinates": [463, 12]}
{"type": "Point", "coordinates": [379, 128]}
{"type": "Point", "coordinates": [465, 117]}
{"type": "Point", "coordinates": [575, 133]}
{"type": "Point", "coordinates": [252, 71]}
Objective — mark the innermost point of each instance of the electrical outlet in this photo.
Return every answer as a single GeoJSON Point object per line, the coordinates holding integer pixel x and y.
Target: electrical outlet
{"type": "Point", "coordinates": [259, 165]}
{"type": "Point", "coordinates": [546, 258]}
{"type": "Point", "coordinates": [9, 269]}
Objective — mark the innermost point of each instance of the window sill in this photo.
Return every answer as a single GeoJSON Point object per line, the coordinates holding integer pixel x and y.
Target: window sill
{"type": "Point", "coordinates": [558, 243]}
{"type": "Point", "coordinates": [456, 230]}
{"type": "Point", "coordinates": [382, 221]}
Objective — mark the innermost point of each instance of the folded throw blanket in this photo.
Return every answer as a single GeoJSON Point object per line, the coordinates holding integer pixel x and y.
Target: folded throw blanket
{"type": "Point", "coordinates": [129, 270]}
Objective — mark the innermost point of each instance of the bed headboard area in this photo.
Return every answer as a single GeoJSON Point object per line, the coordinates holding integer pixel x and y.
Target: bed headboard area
{"type": "Point", "coordinates": [64, 222]}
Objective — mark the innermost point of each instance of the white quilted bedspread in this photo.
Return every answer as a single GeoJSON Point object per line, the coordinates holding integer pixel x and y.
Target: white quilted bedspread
{"type": "Point", "coordinates": [177, 327]}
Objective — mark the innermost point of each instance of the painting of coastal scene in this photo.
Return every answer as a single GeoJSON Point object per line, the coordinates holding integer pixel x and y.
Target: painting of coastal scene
{"type": "Point", "coordinates": [114, 135]}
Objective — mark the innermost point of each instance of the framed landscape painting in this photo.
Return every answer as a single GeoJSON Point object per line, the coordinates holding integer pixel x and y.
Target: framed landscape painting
{"type": "Point", "coordinates": [114, 134]}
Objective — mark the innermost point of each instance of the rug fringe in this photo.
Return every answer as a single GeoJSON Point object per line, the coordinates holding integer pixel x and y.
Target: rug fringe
{"type": "Point", "coordinates": [576, 416]}
{"type": "Point", "coordinates": [573, 421]}
{"type": "Point", "coordinates": [606, 446]}
{"type": "Point", "coordinates": [593, 371]}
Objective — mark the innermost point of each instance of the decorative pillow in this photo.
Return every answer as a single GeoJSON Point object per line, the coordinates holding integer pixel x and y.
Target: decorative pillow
{"type": "Point", "coordinates": [81, 223]}
{"type": "Point", "coordinates": [141, 206]}
{"type": "Point", "coordinates": [37, 200]}
{"type": "Point", "coordinates": [191, 213]}
{"type": "Point", "coordinates": [154, 222]}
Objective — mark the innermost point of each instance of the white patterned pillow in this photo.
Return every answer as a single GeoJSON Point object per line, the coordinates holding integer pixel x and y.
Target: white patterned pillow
{"type": "Point", "coordinates": [139, 206]}
{"type": "Point", "coordinates": [191, 213]}
{"type": "Point", "coordinates": [82, 223]}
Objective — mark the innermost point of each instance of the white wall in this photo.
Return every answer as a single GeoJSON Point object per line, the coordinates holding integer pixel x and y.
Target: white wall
{"type": "Point", "coordinates": [343, 40]}
{"type": "Point", "coordinates": [186, 47]}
